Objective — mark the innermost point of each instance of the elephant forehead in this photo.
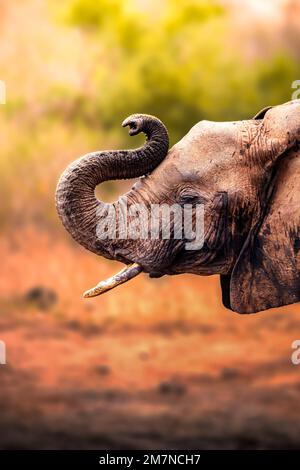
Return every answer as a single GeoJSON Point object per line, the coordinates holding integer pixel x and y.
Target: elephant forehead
{"type": "Point", "coordinates": [207, 145]}
{"type": "Point", "coordinates": [283, 121]}
{"type": "Point", "coordinates": [209, 137]}
{"type": "Point", "coordinates": [208, 154]}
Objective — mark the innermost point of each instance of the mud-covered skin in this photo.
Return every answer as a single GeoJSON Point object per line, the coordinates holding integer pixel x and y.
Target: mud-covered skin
{"type": "Point", "coordinates": [245, 173]}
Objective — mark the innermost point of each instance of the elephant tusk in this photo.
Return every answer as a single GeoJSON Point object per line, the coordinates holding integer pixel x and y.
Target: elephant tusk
{"type": "Point", "coordinates": [127, 273]}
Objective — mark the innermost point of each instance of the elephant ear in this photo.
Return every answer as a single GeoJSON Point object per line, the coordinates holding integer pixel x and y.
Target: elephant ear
{"type": "Point", "coordinates": [267, 271]}
{"type": "Point", "coordinates": [262, 112]}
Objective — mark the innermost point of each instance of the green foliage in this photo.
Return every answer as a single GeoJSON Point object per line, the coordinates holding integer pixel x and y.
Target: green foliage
{"type": "Point", "coordinates": [177, 59]}
{"type": "Point", "coordinates": [173, 59]}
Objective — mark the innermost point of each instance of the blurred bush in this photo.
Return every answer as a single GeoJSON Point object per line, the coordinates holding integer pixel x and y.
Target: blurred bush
{"type": "Point", "coordinates": [75, 69]}
{"type": "Point", "coordinates": [173, 59]}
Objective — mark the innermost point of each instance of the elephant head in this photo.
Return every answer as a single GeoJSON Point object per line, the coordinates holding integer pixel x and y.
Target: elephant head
{"type": "Point", "coordinates": [244, 174]}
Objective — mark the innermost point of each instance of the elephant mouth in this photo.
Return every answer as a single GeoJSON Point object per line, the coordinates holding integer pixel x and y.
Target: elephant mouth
{"type": "Point", "coordinates": [126, 274]}
{"type": "Point", "coordinates": [130, 271]}
{"type": "Point", "coordinates": [134, 267]}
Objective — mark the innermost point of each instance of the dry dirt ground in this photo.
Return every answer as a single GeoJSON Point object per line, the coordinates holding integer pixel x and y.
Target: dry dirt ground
{"type": "Point", "coordinates": [157, 364]}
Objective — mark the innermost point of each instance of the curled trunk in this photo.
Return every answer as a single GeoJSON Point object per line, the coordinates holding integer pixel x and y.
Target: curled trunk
{"type": "Point", "coordinates": [76, 203]}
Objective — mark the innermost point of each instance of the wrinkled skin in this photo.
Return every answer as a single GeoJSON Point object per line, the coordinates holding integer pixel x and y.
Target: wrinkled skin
{"type": "Point", "coordinates": [245, 173]}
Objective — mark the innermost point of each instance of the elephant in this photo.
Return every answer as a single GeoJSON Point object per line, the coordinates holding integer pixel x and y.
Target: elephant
{"type": "Point", "coordinates": [244, 173]}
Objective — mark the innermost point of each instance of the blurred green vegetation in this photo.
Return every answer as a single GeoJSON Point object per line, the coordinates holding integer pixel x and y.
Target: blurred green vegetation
{"type": "Point", "coordinates": [173, 59]}
{"type": "Point", "coordinates": [178, 59]}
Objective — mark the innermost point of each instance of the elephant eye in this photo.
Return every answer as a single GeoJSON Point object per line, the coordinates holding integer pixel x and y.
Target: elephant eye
{"type": "Point", "coordinates": [189, 197]}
